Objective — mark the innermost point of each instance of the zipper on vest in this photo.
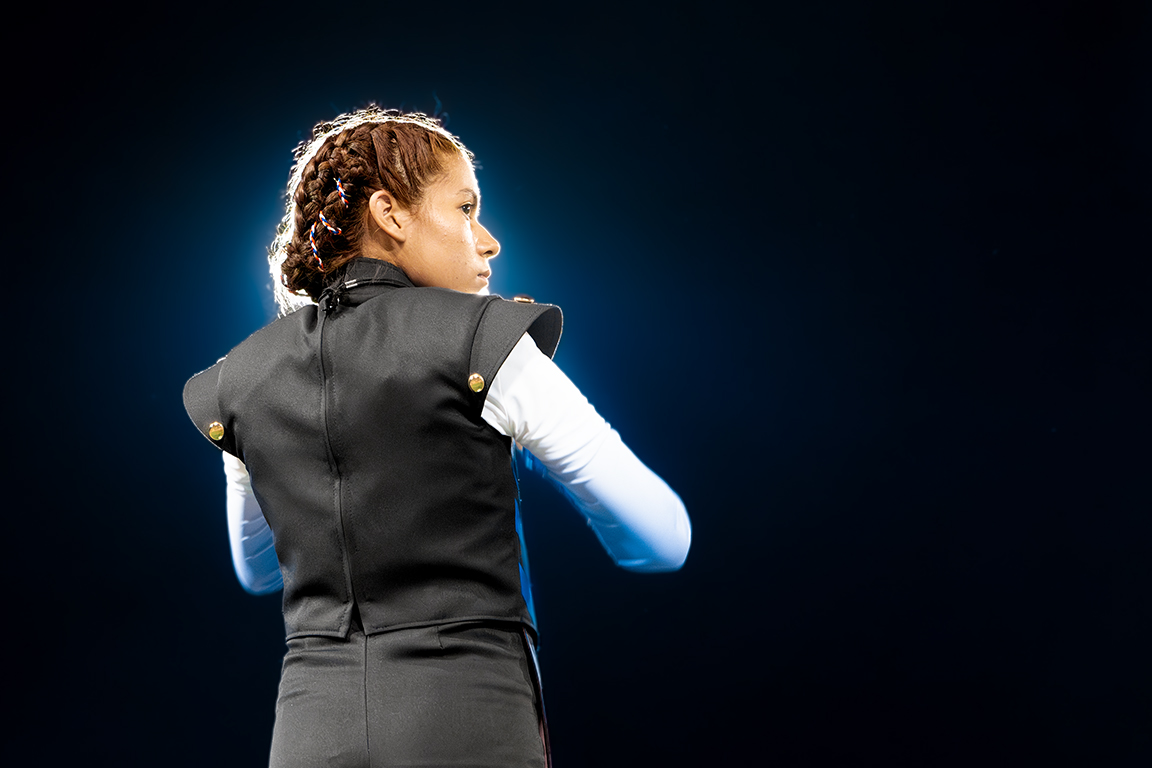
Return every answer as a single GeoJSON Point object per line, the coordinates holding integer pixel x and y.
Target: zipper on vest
{"type": "Point", "coordinates": [335, 469]}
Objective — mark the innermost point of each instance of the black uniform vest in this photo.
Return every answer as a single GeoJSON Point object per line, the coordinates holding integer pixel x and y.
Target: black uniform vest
{"type": "Point", "coordinates": [358, 422]}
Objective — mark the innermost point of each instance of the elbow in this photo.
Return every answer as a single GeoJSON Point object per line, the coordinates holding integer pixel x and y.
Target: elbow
{"type": "Point", "coordinates": [253, 589]}
{"type": "Point", "coordinates": [680, 543]}
{"type": "Point", "coordinates": [676, 562]}
{"type": "Point", "coordinates": [669, 557]}
{"type": "Point", "coordinates": [256, 586]}
{"type": "Point", "coordinates": [653, 566]}
{"type": "Point", "coordinates": [259, 574]}
{"type": "Point", "coordinates": [666, 563]}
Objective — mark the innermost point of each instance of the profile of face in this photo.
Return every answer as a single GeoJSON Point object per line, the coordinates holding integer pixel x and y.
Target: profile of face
{"type": "Point", "coordinates": [441, 243]}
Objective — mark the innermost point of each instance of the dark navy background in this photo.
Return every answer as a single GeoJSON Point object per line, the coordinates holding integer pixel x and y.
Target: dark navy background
{"type": "Point", "coordinates": [866, 283]}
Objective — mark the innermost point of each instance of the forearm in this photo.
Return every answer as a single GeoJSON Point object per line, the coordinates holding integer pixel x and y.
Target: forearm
{"type": "Point", "coordinates": [253, 554]}
{"type": "Point", "coordinates": [641, 522]}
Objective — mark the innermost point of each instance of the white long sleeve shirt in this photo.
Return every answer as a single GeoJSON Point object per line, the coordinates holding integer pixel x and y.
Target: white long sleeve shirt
{"type": "Point", "coordinates": [639, 520]}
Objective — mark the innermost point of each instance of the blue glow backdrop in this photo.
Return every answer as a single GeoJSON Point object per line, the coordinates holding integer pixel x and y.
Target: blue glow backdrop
{"type": "Point", "coordinates": [866, 283]}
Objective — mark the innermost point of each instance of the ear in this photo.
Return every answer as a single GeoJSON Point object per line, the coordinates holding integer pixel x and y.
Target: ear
{"type": "Point", "coordinates": [392, 219]}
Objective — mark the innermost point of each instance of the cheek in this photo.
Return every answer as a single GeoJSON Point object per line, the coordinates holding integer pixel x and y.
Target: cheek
{"type": "Point", "coordinates": [467, 234]}
{"type": "Point", "coordinates": [456, 232]}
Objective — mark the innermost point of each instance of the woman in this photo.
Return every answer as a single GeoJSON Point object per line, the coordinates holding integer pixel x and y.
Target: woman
{"type": "Point", "coordinates": [368, 435]}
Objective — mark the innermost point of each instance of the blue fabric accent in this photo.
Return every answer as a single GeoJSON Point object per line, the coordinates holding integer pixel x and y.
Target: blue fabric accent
{"type": "Point", "coordinates": [525, 581]}
{"type": "Point", "coordinates": [520, 455]}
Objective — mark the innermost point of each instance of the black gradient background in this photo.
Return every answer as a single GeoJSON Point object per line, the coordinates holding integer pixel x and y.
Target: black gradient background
{"type": "Point", "coordinates": [866, 283]}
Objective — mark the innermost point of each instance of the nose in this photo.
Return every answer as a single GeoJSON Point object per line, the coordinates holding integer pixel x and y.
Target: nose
{"type": "Point", "coordinates": [486, 245]}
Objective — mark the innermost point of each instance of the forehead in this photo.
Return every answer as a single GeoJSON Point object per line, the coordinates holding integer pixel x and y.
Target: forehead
{"type": "Point", "coordinates": [458, 174]}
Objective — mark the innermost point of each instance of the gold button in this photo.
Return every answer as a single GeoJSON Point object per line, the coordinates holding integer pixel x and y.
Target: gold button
{"type": "Point", "coordinates": [524, 299]}
{"type": "Point", "coordinates": [476, 382]}
{"type": "Point", "coordinates": [216, 430]}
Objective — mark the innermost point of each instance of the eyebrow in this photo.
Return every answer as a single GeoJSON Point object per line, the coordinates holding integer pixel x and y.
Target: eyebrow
{"type": "Point", "coordinates": [471, 193]}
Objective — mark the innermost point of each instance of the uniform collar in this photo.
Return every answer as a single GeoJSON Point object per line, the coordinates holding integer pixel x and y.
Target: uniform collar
{"type": "Point", "coordinates": [362, 269]}
{"type": "Point", "coordinates": [362, 279]}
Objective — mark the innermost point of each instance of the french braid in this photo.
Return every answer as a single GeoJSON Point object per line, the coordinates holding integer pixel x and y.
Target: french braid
{"type": "Point", "coordinates": [335, 173]}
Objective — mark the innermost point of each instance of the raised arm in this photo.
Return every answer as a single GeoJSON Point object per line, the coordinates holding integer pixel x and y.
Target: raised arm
{"type": "Point", "coordinates": [640, 520]}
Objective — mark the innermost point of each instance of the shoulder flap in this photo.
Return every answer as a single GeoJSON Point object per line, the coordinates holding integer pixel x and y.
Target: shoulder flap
{"type": "Point", "coordinates": [502, 325]}
{"type": "Point", "coordinates": [203, 407]}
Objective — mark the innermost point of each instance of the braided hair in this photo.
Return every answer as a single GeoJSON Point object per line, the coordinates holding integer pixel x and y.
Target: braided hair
{"type": "Point", "coordinates": [346, 161]}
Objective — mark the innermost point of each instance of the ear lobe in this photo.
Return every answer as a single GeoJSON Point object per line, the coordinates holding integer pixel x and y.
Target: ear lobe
{"type": "Point", "coordinates": [388, 216]}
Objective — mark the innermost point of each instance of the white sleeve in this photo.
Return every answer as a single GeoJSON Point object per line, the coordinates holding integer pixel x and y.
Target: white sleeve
{"type": "Point", "coordinates": [253, 555]}
{"type": "Point", "coordinates": [640, 520]}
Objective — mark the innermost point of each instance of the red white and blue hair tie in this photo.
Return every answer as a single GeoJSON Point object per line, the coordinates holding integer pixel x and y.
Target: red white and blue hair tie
{"type": "Point", "coordinates": [329, 227]}
{"type": "Point", "coordinates": [315, 250]}
{"type": "Point", "coordinates": [340, 189]}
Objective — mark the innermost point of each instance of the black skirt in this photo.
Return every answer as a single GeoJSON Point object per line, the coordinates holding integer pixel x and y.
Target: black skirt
{"type": "Point", "coordinates": [464, 694]}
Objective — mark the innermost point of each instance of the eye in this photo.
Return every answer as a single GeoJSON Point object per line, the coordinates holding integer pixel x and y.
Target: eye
{"type": "Point", "coordinates": [468, 208]}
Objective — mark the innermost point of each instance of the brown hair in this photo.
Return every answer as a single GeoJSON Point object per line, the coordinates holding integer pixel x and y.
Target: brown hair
{"type": "Point", "coordinates": [367, 150]}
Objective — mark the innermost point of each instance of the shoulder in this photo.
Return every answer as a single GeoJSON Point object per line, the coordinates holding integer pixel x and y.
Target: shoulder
{"type": "Point", "coordinates": [501, 328]}
{"type": "Point", "coordinates": [487, 319]}
{"type": "Point", "coordinates": [202, 392]}
{"type": "Point", "coordinates": [509, 320]}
